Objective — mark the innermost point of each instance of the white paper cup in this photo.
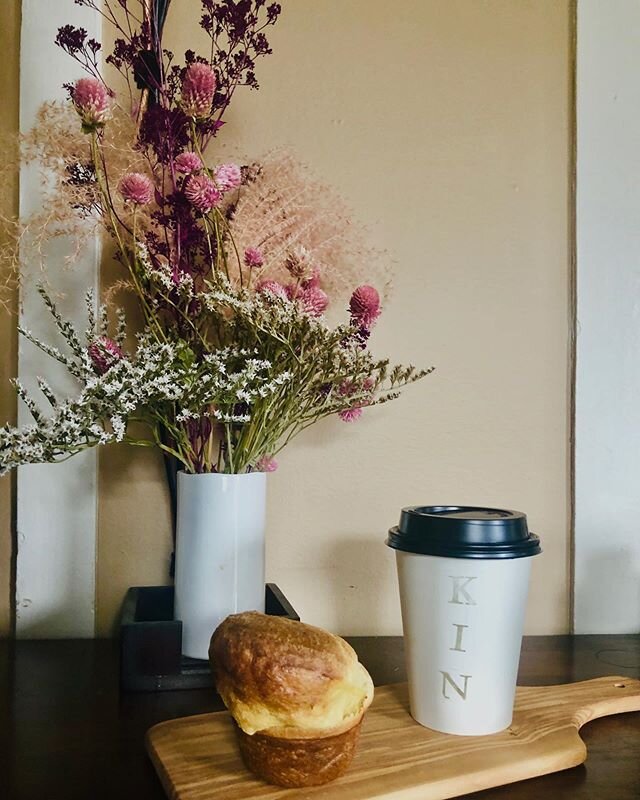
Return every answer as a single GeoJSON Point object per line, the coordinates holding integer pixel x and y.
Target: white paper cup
{"type": "Point", "coordinates": [463, 616]}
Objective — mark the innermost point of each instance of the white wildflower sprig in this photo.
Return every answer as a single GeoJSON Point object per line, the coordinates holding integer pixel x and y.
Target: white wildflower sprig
{"type": "Point", "coordinates": [66, 328]}
{"type": "Point", "coordinates": [29, 402]}
{"type": "Point", "coordinates": [161, 274]}
{"type": "Point", "coordinates": [90, 304]}
{"type": "Point", "coordinates": [329, 371]}
{"type": "Point", "coordinates": [210, 406]}
{"type": "Point", "coordinates": [47, 391]}
{"type": "Point", "coordinates": [161, 383]}
{"type": "Point", "coordinates": [121, 327]}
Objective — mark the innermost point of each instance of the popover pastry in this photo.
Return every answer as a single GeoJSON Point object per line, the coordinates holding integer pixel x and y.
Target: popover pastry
{"type": "Point", "coordinates": [296, 692]}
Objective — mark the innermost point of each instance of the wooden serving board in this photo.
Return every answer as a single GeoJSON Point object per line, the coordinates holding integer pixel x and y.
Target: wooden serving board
{"type": "Point", "coordinates": [197, 758]}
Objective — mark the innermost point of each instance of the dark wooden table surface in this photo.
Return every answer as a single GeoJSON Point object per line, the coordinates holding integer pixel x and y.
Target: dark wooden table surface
{"type": "Point", "coordinates": [67, 732]}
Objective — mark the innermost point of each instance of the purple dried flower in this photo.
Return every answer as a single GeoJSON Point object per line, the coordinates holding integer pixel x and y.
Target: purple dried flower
{"type": "Point", "coordinates": [362, 336]}
{"type": "Point", "coordinates": [253, 257]}
{"type": "Point", "coordinates": [202, 193]}
{"type": "Point", "coordinates": [313, 281]}
{"type": "Point", "coordinates": [71, 39]}
{"type": "Point", "coordinates": [349, 388]}
{"type": "Point", "coordinates": [266, 464]}
{"type": "Point", "coordinates": [313, 301]}
{"type": "Point", "coordinates": [364, 306]}
{"type": "Point", "coordinates": [166, 130]}
{"type": "Point", "coordinates": [91, 100]}
{"type": "Point", "coordinates": [198, 89]}
{"type": "Point", "coordinates": [350, 414]}
{"type": "Point", "coordinates": [104, 353]}
{"type": "Point", "coordinates": [186, 163]}
{"type": "Point", "coordinates": [136, 188]}
{"type": "Point", "coordinates": [228, 176]}
{"type": "Point", "coordinates": [273, 289]}
{"type": "Point", "coordinates": [273, 11]}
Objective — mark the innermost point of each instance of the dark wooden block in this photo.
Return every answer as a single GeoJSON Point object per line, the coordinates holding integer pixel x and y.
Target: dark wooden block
{"type": "Point", "coordinates": [151, 641]}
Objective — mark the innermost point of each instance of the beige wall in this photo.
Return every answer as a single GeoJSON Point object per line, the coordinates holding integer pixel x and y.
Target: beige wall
{"type": "Point", "coordinates": [446, 125]}
{"type": "Point", "coordinates": [9, 101]}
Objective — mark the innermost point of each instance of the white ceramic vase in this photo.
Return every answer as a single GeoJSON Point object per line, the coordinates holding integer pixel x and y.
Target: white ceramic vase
{"type": "Point", "coordinates": [220, 545]}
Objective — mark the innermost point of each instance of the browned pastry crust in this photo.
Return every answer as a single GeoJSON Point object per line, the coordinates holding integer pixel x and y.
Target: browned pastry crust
{"type": "Point", "coordinates": [277, 663]}
{"type": "Point", "coordinates": [297, 693]}
{"type": "Point", "coordinates": [298, 762]}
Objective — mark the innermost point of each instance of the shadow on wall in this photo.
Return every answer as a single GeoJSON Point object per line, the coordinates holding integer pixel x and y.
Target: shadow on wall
{"type": "Point", "coordinates": [614, 574]}
{"type": "Point", "coordinates": [358, 573]}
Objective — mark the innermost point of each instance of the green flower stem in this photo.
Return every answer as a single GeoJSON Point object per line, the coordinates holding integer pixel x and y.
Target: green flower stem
{"type": "Point", "coordinates": [233, 243]}
{"type": "Point", "coordinates": [185, 317]}
{"type": "Point", "coordinates": [230, 458]}
{"type": "Point", "coordinates": [214, 264]}
{"type": "Point", "coordinates": [115, 227]}
{"type": "Point", "coordinates": [220, 249]}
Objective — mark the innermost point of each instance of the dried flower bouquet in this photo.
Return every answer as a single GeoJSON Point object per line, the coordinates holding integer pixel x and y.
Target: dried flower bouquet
{"type": "Point", "coordinates": [233, 268]}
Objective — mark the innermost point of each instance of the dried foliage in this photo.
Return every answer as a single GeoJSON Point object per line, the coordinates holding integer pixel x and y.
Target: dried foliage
{"type": "Point", "coordinates": [70, 203]}
{"type": "Point", "coordinates": [233, 267]}
{"type": "Point", "coordinates": [283, 207]}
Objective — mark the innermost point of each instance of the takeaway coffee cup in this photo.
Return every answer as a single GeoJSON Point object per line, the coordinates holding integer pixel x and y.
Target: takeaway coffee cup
{"type": "Point", "coordinates": [464, 575]}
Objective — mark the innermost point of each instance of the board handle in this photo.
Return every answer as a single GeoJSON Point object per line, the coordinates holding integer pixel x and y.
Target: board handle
{"type": "Point", "coordinates": [586, 700]}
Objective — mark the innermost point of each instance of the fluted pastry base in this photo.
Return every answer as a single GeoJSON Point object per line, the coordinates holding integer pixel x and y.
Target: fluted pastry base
{"type": "Point", "coordinates": [299, 762]}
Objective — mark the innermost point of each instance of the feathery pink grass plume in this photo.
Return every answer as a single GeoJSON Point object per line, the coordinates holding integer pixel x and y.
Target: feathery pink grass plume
{"type": "Point", "coordinates": [198, 89]}
{"type": "Point", "coordinates": [136, 188]}
{"type": "Point", "coordinates": [202, 193]}
{"type": "Point", "coordinates": [296, 217]}
{"type": "Point", "coordinates": [91, 100]}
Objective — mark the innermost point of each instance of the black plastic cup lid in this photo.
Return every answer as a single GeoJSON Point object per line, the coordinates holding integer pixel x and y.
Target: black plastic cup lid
{"type": "Point", "coordinates": [464, 532]}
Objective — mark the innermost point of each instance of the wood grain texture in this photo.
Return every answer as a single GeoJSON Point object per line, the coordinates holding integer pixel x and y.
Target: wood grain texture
{"type": "Point", "coordinates": [197, 757]}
